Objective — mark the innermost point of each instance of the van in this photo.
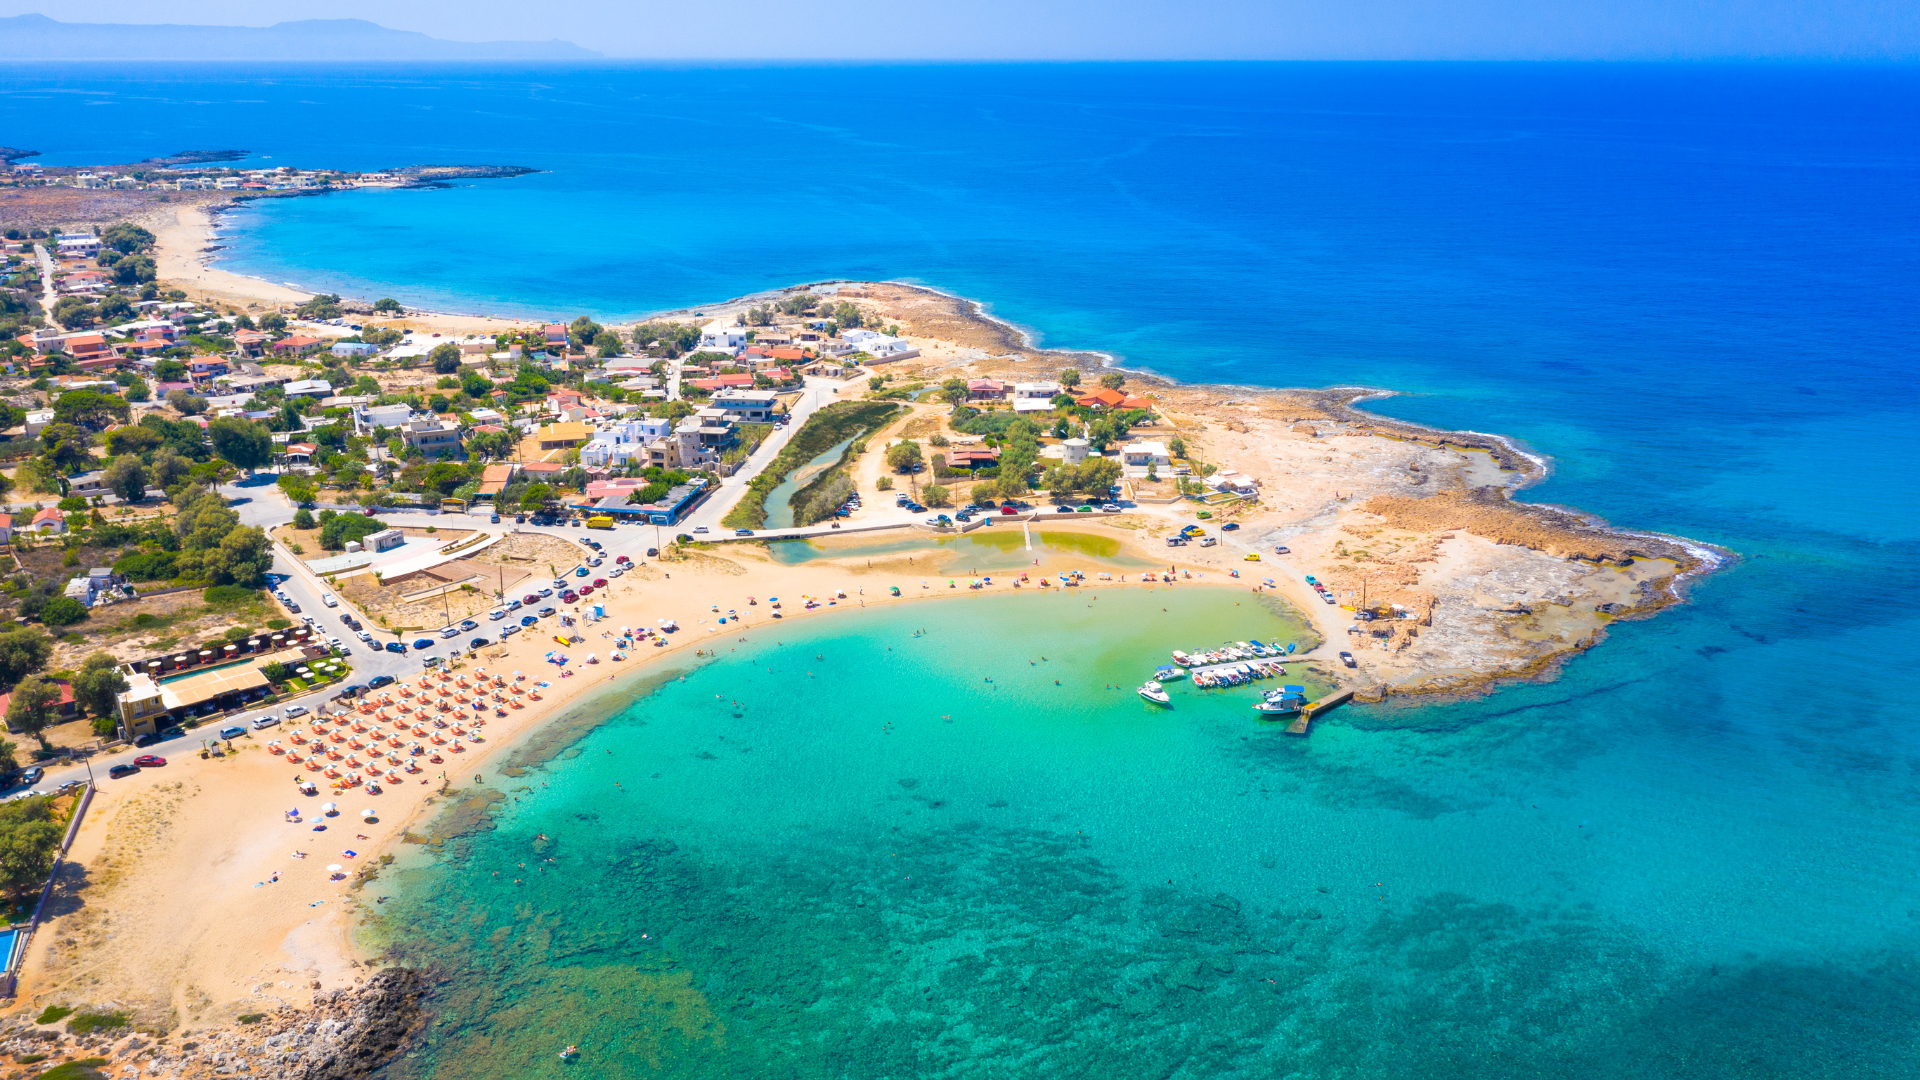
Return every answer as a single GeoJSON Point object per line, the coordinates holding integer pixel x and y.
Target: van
{"type": "Point", "coordinates": [600, 521]}
{"type": "Point", "coordinates": [327, 599]}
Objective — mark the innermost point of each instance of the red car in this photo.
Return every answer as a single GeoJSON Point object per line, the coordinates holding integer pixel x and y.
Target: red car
{"type": "Point", "coordinates": [599, 583]}
{"type": "Point", "coordinates": [568, 598]}
{"type": "Point", "coordinates": [1007, 510]}
{"type": "Point", "coordinates": [149, 761]}
{"type": "Point", "coordinates": [530, 599]}
{"type": "Point", "coordinates": [621, 559]}
{"type": "Point", "coordinates": [585, 589]}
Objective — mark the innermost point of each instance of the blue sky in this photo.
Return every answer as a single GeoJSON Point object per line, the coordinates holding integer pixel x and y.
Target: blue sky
{"type": "Point", "coordinates": [1108, 29]}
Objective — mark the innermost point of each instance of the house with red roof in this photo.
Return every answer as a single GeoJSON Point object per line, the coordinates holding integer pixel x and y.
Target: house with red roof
{"type": "Point", "coordinates": [6, 528]}
{"type": "Point", "coordinates": [50, 521]}
{"type": "Point", "coordinates": [555, 335]}
{"type": "Point", "coordinates": [986, 390]}
{"type": "Point", "coordinates": [298, 345]}
{"type": "Point", "coordinates": [66, 708]}
{"type": "Point", "coordinates": [723, 382]}
{"type": "Point", "coordinates": [301, 453]}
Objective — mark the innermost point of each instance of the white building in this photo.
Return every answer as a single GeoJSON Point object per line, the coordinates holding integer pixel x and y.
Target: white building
{"type": "Point", "coordinates": [722, 336]}
{"type": "Point", "coordinates": [368, 417]}
{"type": "Point", "coordinates": [1074, 451]}
{"type": "Point", "coordinates": [747, 406]}
{"type": "Point", "coordinates": [79, 246]}
{"type": "Point", "coordinates": [1137, 457]}
{"type": "Point", "coordinates": [882, 348]}
{"type": "Point", "coordinates": [1034, 396]}
{"type": "Point", "coordinates": [613, 445]}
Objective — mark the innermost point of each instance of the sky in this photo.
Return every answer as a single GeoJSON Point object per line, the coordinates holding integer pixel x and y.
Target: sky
{"type": "Point", "coordinates": [872, 30]}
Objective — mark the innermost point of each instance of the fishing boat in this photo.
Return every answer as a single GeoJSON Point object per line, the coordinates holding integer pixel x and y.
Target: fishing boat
{"type": "Point", "coordinates": [1153, 692]}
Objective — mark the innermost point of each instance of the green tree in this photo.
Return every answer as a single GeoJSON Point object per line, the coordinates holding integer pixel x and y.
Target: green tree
{"type": "Point", "coordinates": [242, 443]}
{"type": "Point", "coordinates": [337, 530]}
{"type": "Point", "coordinates": [135, 270]}
{"type": "Point", "coordinates": [63, 610]}
{"type": "Point", "coordinates": [903, 456]}
{"type": "Point", "coordinates": [68, 447]}
{"type": "Point", "coordinates": [1178, 446]}
{"type": "Point", "coordinates": [387, 305]}
{"type": "Point", "coordinates": [303, 518]}
{"type": "Point", "coordinates": [127, 238]}
{"type": "Point", "coordinates": [91, 410]}
{"type": "Point", "coordinates": [98, 683]}
{"type": "Point", "coordinates": [127, 478]}
{"type": "Point", "coordinates": [1070, 378]}
{"type": "Point", "coordinates": [138, 390]}
{"type": "Point", "coordinates": [23, 651]}
{"type": "Point", "coordinates": [936, 495]}
{"type": "Point", "coordinates": [186, 402]}
{"type": "Point", "coordinates": [1113, 380]}
{"type": "Point", "coordinates": [35, 705]}
{"type": "Point", "coordinates": [273, 322]}
{"type": "Point", "coordinates": [169, 470]}
{"type": "Point", "coordinates": [607, 343]}
{"type": "Point", "coordinates": [536, 496]}
{"type": "Point", "coordinates": [445, 358]}
{"type": "Point", "coordinates": [169, 370]}
{"type": "Point", "coordinates": [29, 844]}
{"type": "Point", "coordinates": [885, 483]}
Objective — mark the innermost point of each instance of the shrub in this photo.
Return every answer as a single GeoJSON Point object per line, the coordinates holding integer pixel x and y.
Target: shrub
{"type": "Point", "coordinates": [275, 672]}
{"type": "Point", "coordinates": [885, 483]}
{"type": "Point", "coordinates": [76, 1070]}
{"type": "Point", "coordinates": [54, 1014]}
{"type": "Point", "coordinates": [63, 611]}
{"type": "Point", "coordinates": [146, 565]}
{"type": "Point", "coordinates": [228, 595]}
{"type": "Point", "coordinates": [88, 1023]}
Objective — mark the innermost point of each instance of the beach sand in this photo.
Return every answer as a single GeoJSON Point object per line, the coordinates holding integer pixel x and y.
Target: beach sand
{"type": "Point", "coordinates": [176, 915]}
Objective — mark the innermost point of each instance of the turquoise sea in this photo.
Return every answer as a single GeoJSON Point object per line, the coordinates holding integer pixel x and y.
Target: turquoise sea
{"type": "Point", "coordinates": [1694, 854]}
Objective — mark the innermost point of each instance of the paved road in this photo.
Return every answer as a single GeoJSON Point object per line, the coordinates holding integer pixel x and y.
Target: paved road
{"type": "Point", "coordinates": [47, 296]}
{"type": "Point", "coordinates": [727, 495]}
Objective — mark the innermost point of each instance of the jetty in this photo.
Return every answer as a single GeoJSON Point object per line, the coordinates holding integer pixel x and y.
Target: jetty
{"type": "Point", "coordinates": [1314, 708]}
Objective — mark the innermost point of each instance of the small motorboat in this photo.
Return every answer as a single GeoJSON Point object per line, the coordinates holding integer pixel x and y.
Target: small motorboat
{"type": "Point", "coordinates": [1280, 706]}
{"type": "Point", "coordinates": [1154, 692]}
{"type": "Point", "coordinates": [1169, 673]}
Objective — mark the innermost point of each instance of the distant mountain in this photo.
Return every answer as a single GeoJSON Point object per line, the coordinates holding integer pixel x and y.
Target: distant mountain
{"type": "Point", "coordinates": [36, 37]}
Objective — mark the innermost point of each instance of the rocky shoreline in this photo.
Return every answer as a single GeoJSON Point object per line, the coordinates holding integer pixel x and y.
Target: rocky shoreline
{"type": "Point", "coordinates": [344, 1035]}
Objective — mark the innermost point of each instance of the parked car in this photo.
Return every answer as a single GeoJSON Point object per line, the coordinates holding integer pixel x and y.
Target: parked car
{"type": "Point", "coordinates": [31, 775]}
{"type": "Point", "coordinates": [232, 732]}
{"type": "Point", "coordinates": [545, 611]}
{"type": "Point", "coordinates": [1110, 508]}
{"type": "Point", "coordinates": [617, 571]}
{"type": "Point", "coordinates": [595, 561]}
{"type": "Point", "coordinates": [432, 661]}
{"type": "Point", "coordinates": [469, 625]}
{"type": "Point", "coordinates": [542, 594]}
{"type": "Point", "coordinates": [569, 597]}
{"type": "Point", "coordinates": [599, 583]}
{"type": "Point", "coordinates": [1230, 526]}
{"type": "Point", "coordinates": [296, 710]}
{"type": "Point", "coordinates": [260, 722]}
{"type": "Point", "coordinates": [479, 643]}
{"type": "Point", "coordinates": [623, 559]}
{"type": "Point", "coordinates": [496, 519]}
{"type": "Point", "coordinates": [580, 571]}
{"type": "Point", "coordinates": [327, 599]}
{"type": "Point", "coordinates": [423, 645]}
{"type": "Point", "coordinates": [293, 607]}
{"type": "Point", "coordinates": [334, 641]}
{"type": "Point", "coordinates": [586, 590]}
{"type": "Point", "coordinates": [509, 631]}
{"type": "Point", "coordinates": [653, 553]}
{"type": "Point", "coordinates": [365, 637]}
{"type": "Point", "coordinates": [496, 614]}
{"type": "Point", "coordinates": [345, 618]}
{"type": "Point", "coordinates": [119, 771]}
{"type": "Point", "coordinates": [379, 681]}
{"type": "Point", "coordinates": [699, 530]}
{"type": "Point", "coordinates": [394, 646]}
{"type": "Point", "coordinates": [513, 605]}
{"type": "Point", "coordinates": [1347, 659]}
{"type": "Point", "coordinates": [1281, 549]}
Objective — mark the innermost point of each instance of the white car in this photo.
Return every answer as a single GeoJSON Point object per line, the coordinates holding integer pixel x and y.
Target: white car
{"type": "Point", "coordinates": [496, 614]}
{"type": "Point", "coordinates": [699, 529]}
{"type": "Point", "coordinates": [296, 710]}
{"type": "Point", "coordinates": [616, 571]}
{"type": "Point", "coordinates": [335, 642]}
{"type": "Point", "coordinates": [364, 636]}
{"type": "Point", "coordinates": [268, 721]}
{"type": "Point", "coordinates": [509, 631]}
{"type": "Point", "coordinates": [327, 599]}
{"type": "Point", "coordinates": [450, 631]}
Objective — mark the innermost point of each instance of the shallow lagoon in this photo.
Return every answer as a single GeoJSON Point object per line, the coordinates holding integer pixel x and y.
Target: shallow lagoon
{"type": "Point", "coordinates": [842, 849]}
{"type": "Point", "coordinates": [989, 549]}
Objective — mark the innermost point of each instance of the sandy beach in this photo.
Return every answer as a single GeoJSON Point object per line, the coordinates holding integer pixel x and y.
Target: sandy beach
{"type": "Point", "coordinates": [195, 862]}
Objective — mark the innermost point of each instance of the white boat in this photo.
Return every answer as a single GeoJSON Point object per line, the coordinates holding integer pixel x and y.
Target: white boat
{"type": "Point", "coordinates": [1168, 674]}
{"type": "Point", "coordinates": [1279, 707]}
{"type": "Point", "coordinates": [1153, 692]}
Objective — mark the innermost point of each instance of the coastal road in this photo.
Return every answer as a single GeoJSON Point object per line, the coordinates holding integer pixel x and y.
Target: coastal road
{"type": "Point", "coordinates": [47, 295]}
{"type": "Point", "coordinates": [727, 494]}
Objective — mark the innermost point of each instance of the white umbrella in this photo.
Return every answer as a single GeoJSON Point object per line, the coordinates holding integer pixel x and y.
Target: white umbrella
{"type": "Point", "coordinates": [329, 808]}
{"type": "Point", "coordinates": [334, 868]}
{"type": "Point", "coordinates": [366, 813]}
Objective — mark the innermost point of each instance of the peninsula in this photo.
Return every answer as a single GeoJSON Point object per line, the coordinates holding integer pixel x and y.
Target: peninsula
{"type": "Point", "coordinates": [303, 506]}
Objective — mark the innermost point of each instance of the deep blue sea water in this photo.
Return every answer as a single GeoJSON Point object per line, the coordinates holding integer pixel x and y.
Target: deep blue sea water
{"type": "Point", "coordinates": [1692, 287]}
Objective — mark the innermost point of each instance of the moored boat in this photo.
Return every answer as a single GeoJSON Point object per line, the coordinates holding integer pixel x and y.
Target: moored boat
{"type": "Point", "coordinates": [1153, 692]}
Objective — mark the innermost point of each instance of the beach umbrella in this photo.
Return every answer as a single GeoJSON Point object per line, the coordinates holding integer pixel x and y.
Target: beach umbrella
{"type": "Point", "coordinates": [328, 808]}
{"type": "Point", "coordinates": [366, 813]}
{"type": "Point", "coordinates": [334, 868]}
